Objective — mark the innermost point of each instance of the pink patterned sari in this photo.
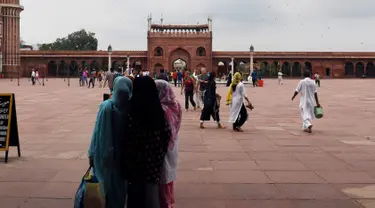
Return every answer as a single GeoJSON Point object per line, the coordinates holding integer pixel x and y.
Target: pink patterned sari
{"type": "Point", "coordinates": [173, 113]}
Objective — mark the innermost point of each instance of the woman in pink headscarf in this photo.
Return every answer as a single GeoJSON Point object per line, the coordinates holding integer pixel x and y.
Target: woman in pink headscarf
{"type": "Point", "coordinates": [173, 113]}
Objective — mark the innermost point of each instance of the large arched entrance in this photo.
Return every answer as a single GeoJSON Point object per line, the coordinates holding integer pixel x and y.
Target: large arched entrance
{"type": "Point", "coordinates": [180, 55]}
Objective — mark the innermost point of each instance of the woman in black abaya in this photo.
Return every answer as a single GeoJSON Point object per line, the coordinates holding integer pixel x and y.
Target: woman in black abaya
{"type": "Point", "coordinates": [149, 138]}
{"type": "Point", "coordinates": [211, 103]}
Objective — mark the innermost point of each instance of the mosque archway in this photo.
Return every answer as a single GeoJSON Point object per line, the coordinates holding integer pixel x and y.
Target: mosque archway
{"type": "Point", "coordinates": [201, 51]}
{"type": "Point", "coordinates": [359, 69]}
{"type": "Point", "coordinates": [274, 69]}
{"type": "Point", "coordinates": [62, 68]}
{"type": "Point", "coordinates": [179, 54]}
{"type": "Point", "coordinates": [221, 68]}
{"type": "Point", "coordinates": [296, 70]}
{"type": "Point", "coordinates": [158, 51]}
{"type": "Point", "coordinates": [349, 69]}
{"type": "Point", "coordinates": [308, 66]}
{"type": "Point", "coordinates": [285, 69]}
{"type": "Point", "coordinates": [370, 69]}
{"type": "Point", "coordinates": [52, 69]}
{"type": "Point", "coordinates": [73, 68]}
{"type": "Point", "coordinates": [264, 68]}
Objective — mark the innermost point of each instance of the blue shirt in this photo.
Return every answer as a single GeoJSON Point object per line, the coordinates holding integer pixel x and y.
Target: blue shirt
{"type": "Point", "coordinates": [179, 76]}
{"type": "Point", "coordinates": [254, 75]}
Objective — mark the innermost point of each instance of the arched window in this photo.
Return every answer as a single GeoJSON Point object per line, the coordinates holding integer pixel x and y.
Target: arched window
{"type": "Point", "coordinates": [158, 51]}
{"type": "Point", "coordinates": [201, 51]}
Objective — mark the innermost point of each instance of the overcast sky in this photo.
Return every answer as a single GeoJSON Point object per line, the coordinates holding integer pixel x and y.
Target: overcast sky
{"type": "Point", "coordinates": [270, 25]}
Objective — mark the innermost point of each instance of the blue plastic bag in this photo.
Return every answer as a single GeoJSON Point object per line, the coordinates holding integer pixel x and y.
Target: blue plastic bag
{"type": "Point", "coordinates": [88, 180]}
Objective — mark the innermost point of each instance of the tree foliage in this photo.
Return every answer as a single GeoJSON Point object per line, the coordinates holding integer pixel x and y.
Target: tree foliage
{"type": "Point", "coordinates": [80, 40]}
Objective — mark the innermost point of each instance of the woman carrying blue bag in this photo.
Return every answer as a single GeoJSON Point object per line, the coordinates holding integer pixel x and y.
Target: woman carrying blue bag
{"type": "Point", "coordinates": [110, 132]}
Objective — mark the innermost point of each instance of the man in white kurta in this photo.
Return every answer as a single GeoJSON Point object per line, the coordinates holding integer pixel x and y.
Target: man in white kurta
{"type": "Point", "coordinates": [280, 77]}
{"type": "Point", "coordinates": [308, 99]}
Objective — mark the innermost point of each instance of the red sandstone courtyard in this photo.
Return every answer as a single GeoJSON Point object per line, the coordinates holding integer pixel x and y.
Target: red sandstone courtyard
{"type": "Point", "coordinates": [273, 164]}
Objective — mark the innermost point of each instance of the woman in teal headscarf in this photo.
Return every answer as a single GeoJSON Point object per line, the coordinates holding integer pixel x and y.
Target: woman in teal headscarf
{"type": "Point", "coordinates": [106, 152]}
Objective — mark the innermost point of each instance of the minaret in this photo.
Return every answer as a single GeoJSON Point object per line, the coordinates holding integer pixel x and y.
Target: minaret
{"type": "Point", "coordinates": [10, 37]}
{"type": "Point", "coordinates": [161, 19]}
{"type": "Point", "coordinates": [209, 20]}
{"type": "Point", "coordinates": [149, 20]}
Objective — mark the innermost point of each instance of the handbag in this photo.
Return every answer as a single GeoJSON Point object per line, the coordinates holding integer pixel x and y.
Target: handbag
{"type": "Point", "coordinates": [318, 111]}
{"type": "Point", "coordinates": [88, 194]}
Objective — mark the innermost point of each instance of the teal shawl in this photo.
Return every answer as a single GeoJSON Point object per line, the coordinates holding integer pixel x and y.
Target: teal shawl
{"type": "Point", "coordinates": [112, 116]}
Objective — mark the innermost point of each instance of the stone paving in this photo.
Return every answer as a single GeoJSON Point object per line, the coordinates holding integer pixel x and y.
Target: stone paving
{"type": "Point", "coordinates": [272, 164]}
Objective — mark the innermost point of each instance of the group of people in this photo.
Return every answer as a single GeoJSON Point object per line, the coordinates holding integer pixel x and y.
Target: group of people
{"type": "Point", "coordinates": [134, 145]}
{"type": "Point", "coordinates": [203, 85]}
{"type": "Point", "coordinates": [35, 76]}
{"type": "Point", "coordinates": [89, 78]}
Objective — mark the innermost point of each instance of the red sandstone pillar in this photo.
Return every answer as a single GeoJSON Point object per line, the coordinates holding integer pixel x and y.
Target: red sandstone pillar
{"type": "Point", "coordinates": [10, 37]}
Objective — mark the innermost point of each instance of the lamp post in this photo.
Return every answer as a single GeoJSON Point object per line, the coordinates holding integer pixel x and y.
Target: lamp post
{"type": "Point", "coordinates": [128, 64]}
{"type": "Point", "coordinates": [69, 76]}
{"type": "Point", "coordinates": [232, 65]}
{"type": "Point", "coordinates": [18, 79]}
{"type": "Point", "coordinates": [109, 57]}
{"type": "Point", "coordinates": [251, 59]}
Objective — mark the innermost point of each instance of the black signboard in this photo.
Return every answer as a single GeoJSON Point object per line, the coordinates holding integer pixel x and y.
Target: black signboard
{"type": "Point", "coordinates": [8, 124]}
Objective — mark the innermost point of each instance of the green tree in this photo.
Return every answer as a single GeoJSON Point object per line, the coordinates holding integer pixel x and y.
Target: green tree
{"type": "Point", "coordinates": [80, 40]}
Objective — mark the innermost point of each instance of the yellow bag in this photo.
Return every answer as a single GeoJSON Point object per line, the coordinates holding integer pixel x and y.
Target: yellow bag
{"type": "Point", "coordinates": [93, 197]}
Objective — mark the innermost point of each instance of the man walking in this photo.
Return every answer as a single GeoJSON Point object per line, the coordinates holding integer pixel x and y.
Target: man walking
{"type": "Point", "coordinates": [280, 77]}
{"type": "Point", "coordinates": [202, 86]}
{"type": "Point", "coordinates": [317, 79]}
{"type": "Point", "coordinates": [179, 78]}
{"type": "Point", "coordinates": [33, 77]}
{"type": "Point", "coordinates": [309, 97]}
{"type": "Point", "coordinates": [110, 79]}
{"type": "Point", "coordinates": [92, 78]}
{"type": "Point", "coordinates": [254, 78]}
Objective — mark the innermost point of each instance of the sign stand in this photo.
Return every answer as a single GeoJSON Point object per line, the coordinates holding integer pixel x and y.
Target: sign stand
{"type": "Point", "coordinates": [8, 124]}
